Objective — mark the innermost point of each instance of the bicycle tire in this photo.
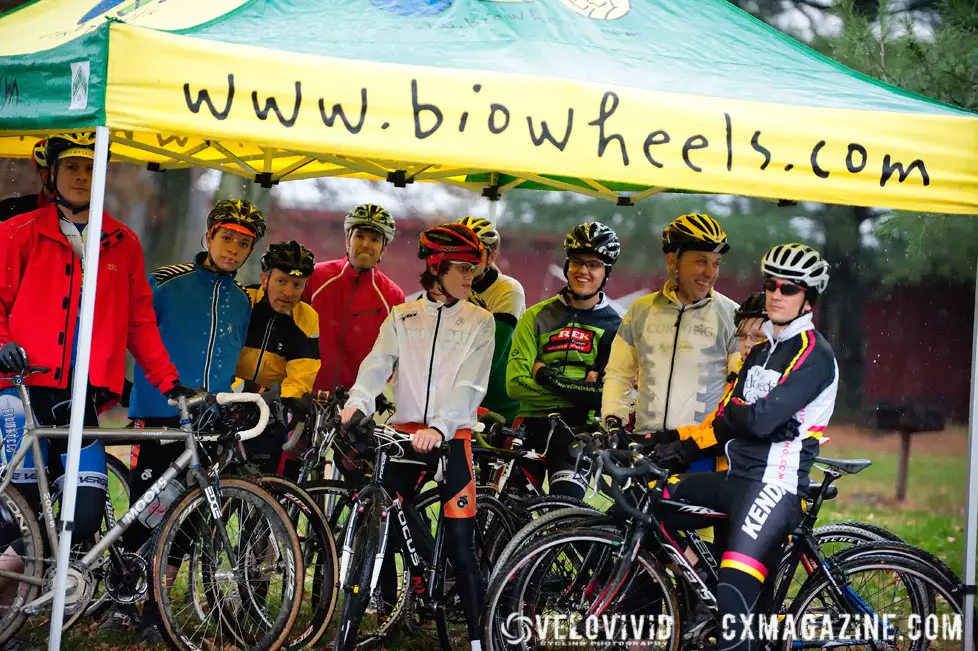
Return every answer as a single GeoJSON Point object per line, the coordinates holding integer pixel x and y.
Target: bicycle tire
{"type": "Point", "coordinates": [193, 506]}
{"type": "Point", "coordinates": [317, 544]}
{"type": "Point", "coordinates": [521, 571]}
{"type": "Point", "coordinates": [877, 530]}
{"type": "Point", "coordinates": [16, 512]}
{"type": "Point", "coordinates": [548, 522]}
{"type": "Point", "coordinates": [901, 548]}
{"type": "Point", "coordinates": [333, 497]}
{"type": "Point", "coordinates": [356, 592]}
{"type": "Point", "coordinates": [852, 561]}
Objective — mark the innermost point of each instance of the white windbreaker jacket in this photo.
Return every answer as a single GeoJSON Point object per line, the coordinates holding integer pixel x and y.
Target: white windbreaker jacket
{"type": "Point", "coordinates": [440, 356]}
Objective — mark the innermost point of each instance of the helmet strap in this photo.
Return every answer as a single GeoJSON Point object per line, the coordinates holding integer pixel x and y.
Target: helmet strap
{"type": "Point", "coordinates": [801, 313]}
{"type": "Point", "coordinates": [57, 197]}
{"type": "Point", "coordinates": [439, 291]}
{"type": "Point", "coordinates": [582, 297]}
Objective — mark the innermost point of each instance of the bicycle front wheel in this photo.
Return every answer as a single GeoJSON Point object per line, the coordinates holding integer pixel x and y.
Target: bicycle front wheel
{"type": "Point", "coordinates": [564, 576]}
{"type": "Point", "coordinates": [878, 594]}
{"type": "Point", "coordinates": [21, 552]}
{"type": "Point", "coordinates": [245, 588]}
{"type": "Point", "coordinates": [361, 557]}
{"type": "Point", "coordinates": [318, 560]}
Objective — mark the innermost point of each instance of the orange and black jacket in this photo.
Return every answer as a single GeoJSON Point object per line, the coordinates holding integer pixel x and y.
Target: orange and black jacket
{"type": "Point", "coordinates": [702, 433]}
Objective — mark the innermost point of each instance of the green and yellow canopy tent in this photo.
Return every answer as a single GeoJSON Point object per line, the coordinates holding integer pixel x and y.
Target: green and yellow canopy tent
{"type": "Point", "coordinates": [611, 98]}
{"type": "Point", "coordinates": [617, 99]}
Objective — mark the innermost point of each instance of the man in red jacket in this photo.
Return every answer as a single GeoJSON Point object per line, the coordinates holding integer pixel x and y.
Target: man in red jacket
{"type": "Point", "coordinates": [41, 262]}
{"type": "Point", "coordinates": [352, 297]}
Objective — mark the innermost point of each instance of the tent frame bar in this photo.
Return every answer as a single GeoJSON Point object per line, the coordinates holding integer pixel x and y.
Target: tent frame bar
{"type": "Point", "coordinates": [80, 382]}
{"type": "Point", "coordinates": [971, 506]}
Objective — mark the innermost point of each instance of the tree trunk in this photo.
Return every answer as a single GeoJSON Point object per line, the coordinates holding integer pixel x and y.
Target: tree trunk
{"type": "Point", "coordinates": [843, 304]}
{"type": "Point", "coordinates": [166, 240]}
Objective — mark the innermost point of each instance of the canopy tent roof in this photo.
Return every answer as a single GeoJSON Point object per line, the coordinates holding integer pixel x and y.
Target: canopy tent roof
{"type": "Point", "coordinates": [602, 97]}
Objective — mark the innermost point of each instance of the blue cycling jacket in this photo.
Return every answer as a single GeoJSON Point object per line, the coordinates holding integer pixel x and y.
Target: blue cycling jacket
{"type": "Point", "coordinates": [203, 319]}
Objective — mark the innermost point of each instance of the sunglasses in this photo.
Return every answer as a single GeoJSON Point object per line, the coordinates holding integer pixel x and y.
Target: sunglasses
{"type": "Point", "coordinates": [465, 267]}
{"type": "Point", "coordinates": [787, 289]}
{"type": "Point", "coordinates": [590, 265]}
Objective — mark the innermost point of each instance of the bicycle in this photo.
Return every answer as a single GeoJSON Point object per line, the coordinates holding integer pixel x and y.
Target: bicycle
{"type": "Point", "coordinates": [624, 570]}
{"type": "Point", "coordinates": [365, 547]}
{"type": "Point", "coordinates": [246, 605]}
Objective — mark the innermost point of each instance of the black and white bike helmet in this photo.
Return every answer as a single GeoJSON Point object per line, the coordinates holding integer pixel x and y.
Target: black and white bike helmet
{"type": "Point", "coordinates": [594, 238]}
{"type": "Point", "coordinates": [797, 263]}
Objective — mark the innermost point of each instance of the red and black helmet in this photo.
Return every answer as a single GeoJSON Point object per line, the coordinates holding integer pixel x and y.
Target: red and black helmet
{"type": "Point", "coordinates": [450, 242]}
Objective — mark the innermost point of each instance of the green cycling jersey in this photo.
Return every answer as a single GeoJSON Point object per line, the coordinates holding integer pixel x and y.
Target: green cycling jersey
{"type": "Point", "coordinates": [570, 343]}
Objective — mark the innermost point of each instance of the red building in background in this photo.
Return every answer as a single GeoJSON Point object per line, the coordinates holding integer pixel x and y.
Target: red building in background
{"type": "Point", "coordinates": [918, 339]}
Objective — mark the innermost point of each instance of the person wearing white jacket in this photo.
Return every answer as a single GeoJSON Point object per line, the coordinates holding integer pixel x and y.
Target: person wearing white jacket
{"type": "Point", "coordinates": [439, 350]}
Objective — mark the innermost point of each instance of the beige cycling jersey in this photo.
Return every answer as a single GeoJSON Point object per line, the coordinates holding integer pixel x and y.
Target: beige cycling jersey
{"type": "Point", "coordinates": [677, 356]}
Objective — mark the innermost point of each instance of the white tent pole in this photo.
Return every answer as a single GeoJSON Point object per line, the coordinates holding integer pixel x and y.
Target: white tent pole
{"type": "Point", "coordinates": [80, 382]}
{"type": "Point", "coordinates": [492, 211]}
{"type": "Point", "coordinates": [971, 517]}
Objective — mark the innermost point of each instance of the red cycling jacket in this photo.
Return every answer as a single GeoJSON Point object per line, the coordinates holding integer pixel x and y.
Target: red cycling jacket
{"type": "Point", "coordinates": [351, 307]}
{"type": "Point", "coordinates": [40, 290]}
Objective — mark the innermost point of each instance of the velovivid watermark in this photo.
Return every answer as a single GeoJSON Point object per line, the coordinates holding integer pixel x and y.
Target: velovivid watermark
{"type": "Point", "coordinates": [586, 630]}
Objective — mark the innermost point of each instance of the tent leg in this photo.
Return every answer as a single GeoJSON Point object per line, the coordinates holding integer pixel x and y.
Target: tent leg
{"type": "Point", "coordinates": [80, 383]}
{"type": "Point", "coordinates": [971, 517]}
{"type": "Point", "coordinates": [492, 211]}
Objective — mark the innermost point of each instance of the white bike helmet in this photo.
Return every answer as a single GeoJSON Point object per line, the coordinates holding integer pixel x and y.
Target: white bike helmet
{"type": "Point", "coordinates": [797, 263]}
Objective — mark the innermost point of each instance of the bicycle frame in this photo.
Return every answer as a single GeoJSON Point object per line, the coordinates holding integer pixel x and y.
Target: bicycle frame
{"type": "Point", "coordinates": [188, 459]}
{"type": "Point", "coordinates": [419, 566]}
{"type": "Point", "coordinates": [803, 550]}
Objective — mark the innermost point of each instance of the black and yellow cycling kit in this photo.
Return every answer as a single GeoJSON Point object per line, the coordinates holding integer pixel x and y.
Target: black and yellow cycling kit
{"type": "Point", "coordinates": [280, 348]}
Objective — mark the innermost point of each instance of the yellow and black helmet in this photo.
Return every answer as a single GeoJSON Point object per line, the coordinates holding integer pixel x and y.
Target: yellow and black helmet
{"type": "Point", "coordinates": [237, 215]}
{"type": "Point", "coordinates": [40, 154]}
{"type": "Point", "coordinates": [372, 217]}
{"type": "Point", "coordinates": [66, 145]}
{"type": "Point", "coordinates": [484, 229]}
{"type": "Point", "coordinates": [694, 232]}
{"type": "Point", "coordinates": [291, 257]}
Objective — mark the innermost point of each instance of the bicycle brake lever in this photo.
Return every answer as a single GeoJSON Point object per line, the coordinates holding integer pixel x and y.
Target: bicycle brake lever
{"type": "Point", "coordinates": [597, 469]}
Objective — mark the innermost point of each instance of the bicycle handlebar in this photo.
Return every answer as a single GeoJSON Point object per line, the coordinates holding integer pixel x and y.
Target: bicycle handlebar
{"type": "Point", "coordinates": [24, 374]}
{"type": "Point", "coordinates": [507, 455]}
{"type": "Point", "coordinates": [229, 398]}
{"type": "Point", "coordinates": [263, 413]}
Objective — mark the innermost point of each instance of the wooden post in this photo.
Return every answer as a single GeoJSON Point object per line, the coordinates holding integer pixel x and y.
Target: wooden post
{"type": "Point", "coordinates": [904, 467]}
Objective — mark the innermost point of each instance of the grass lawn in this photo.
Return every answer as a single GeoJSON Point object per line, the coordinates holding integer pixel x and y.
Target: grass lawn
{"type": "Point", "coordinates": [932, 517]}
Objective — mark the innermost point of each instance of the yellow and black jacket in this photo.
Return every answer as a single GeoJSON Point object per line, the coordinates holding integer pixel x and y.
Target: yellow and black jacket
{"type": "Point", "coordinates": [280, 348]}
